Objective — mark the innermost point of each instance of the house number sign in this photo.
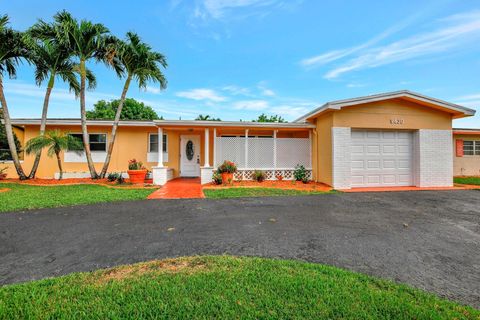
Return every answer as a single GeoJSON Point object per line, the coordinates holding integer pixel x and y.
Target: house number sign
{"type": "Point", "coordinates": [396, 121]}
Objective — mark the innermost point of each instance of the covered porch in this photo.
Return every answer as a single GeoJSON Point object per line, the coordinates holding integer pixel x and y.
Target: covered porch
{"type": "Point", "coordinates": [197, 148]}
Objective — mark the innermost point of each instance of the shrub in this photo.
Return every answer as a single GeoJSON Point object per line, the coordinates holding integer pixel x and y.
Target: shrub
{"type": "Point", "coordinates": [120, 179]}
{"type": "Point", "coordinates": [259, 175]}
{"type": "Point", "coordinates": [112, 176]}
{"type": "Point", "coordinates": [227, 167]}
{"type": "Point", "coordinates": [135, 165]}
{"type": "Point", "coordinates": [300, 173]}
{"type": "Point", "coordinates": [217, 178]}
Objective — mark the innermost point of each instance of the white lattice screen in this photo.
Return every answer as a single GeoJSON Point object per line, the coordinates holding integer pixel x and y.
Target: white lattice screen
{"type": "Point", "coordinates": [230, 148]}
{"type": "Point", "coordinates": [290, 152]}
{"type": "Point", "coordinates": [260, 153]}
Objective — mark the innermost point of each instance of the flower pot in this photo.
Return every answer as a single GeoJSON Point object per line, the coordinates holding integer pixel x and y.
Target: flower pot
{"type": "Point", "coordinates": [227, 178]}
{"type": "Point", "coordinates": [137, 176]}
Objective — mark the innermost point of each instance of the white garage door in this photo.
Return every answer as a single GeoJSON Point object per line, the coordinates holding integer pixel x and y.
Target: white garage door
{"type": "Point", "coordinates": [382, 158]}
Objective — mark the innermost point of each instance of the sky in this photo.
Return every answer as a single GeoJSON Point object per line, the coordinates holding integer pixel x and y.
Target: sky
{"type": "Point", "coordinates": [236, 59]}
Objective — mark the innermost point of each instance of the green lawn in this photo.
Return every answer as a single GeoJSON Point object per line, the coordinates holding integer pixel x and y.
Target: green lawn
{"type": "Point", "coordinates": [467, 180]}
{"type": "Point", "coordinates": [223, 287]}
{"type": "Point", "coordinates": [22, 197]}
{"type": "Point", "coordinates": [255, 192]}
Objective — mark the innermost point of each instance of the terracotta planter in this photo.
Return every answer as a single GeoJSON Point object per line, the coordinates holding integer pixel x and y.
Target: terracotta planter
{"type": "Point", "coordinates": [137, 176]}
{"type": "Point", "coordinates": [227, 178]}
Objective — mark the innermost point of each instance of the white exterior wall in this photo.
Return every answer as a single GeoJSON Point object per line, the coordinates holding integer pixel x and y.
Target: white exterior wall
{"type": "Point", "coordinates": [206, 174]}
{"type": "Point", "coordinates": [433, 158]}
{"type": "Point", "coordinates": [341, 141]}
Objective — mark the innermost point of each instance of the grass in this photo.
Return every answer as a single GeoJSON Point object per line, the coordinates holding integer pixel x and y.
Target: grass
{"type": "Point", "coordinates": [22, 197]}
{"type": "Point", "coordinates": [255, 192]}
{"type": "Point", "coordinates": [467, 180]}
{"type": "Point", "coordinates": [223, 288]}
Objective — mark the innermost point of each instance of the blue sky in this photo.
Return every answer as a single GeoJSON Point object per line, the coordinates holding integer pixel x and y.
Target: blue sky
{"type": "Point", "coordinates": [235, 59]}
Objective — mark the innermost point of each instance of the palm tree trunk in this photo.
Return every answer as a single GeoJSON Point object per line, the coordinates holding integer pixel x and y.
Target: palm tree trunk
{"type": "Point", "coordinates": [59, 162]}
{"type": "Point", "coordinates": [83, 114]}
{"type": "Point", "coordinates": [9, 131]}
{"type": "Point", "coordinates": [115, 126]}
{"type": "Point", "coordinates": [43, 123]}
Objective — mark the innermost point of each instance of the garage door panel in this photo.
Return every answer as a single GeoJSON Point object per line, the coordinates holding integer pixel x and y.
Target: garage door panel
{"type": "Point", "coordinates": [381, 158]}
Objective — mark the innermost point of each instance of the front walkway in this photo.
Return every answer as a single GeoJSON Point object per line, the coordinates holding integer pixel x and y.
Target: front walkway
{"type": "Point", "coordinates": [180, 188]}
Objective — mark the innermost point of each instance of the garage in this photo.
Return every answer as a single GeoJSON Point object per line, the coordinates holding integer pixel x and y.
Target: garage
{"type": "Point", "coordinates": [381, 158]}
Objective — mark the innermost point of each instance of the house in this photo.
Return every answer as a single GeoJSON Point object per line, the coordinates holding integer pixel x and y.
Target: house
{"type": "Point", "coordinates": [398, 138]}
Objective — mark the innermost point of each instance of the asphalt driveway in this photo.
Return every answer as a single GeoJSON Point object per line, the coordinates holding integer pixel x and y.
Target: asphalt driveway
{"type": "Point", "coordinates": [430, 240]}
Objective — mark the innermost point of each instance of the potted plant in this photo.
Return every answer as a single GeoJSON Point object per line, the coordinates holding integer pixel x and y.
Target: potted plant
{"type": "Point", "coordinates": [279, 176]}
{"type": "Point", "coordinates": [227, 169]}
{"type": "Point", "coordinates": [3, 173]}
{"type": "Point", "coordinates": [136, 171]}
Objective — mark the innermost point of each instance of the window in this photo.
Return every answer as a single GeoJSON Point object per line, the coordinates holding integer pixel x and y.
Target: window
{"type": "Point", "coordinates": [153, 143]}
{"type": "Point", "coordinates": [471, 148]}
{"type": "Point", "coordinates": [98, 141]}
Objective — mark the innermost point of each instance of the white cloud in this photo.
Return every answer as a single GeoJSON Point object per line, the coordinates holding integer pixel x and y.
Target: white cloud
{"type": "Point", "coordinates": [356, 85]}
{"type": "Point", "coordinates": [456, 30]}
{"type": "Point", "coordinates": [471, 100]}
{"type": "Point", "coordinates": [334, 55]}
{"type": "Point", "coordinates": [218, 8]}
{"type": "Point", "coordinates": [236, 90]}
{"type": "Point", "coordinates": [254, 105]}
{"type": "Point", "coordinates": [289, 111]}
{"type": "Point", "coordinates": [201, 94]}
{"type": "Point", "coordinates": [153, 90]}
{"type": "Point", "coordinates": [262, 86]}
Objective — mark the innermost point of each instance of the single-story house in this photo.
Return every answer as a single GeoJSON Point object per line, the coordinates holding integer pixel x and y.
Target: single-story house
{"type": "Point", "coordinates": [399, 138]}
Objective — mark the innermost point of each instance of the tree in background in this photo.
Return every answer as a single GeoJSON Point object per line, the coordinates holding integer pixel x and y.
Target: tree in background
{"type": "Point", "coordinates": [132, 110]}
{"type": "Point", "coordinates": [272, 118]}
{"type": "Point", "coordinates": [207, 117]}
{"type": "Point", "coordinates": [56, 142]}
{"type": "Point", "coordinates": [141, 64]}
{"type": "Point", "coordinates": [51, 59]}
{"type": "Point", "coordinates": [12, 49]}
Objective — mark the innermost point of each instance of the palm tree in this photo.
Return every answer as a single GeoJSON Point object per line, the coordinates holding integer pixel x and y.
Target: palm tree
{"type": "Point", "coordinates": [86, 41]}
{"type": "Point", "coordinates": [12, 49]}
{"type": "Point", "coordinates": [51, 60]}
{"type": "Point", "coordinates": [140, 63]}
{"type": "Point", "coordinates": [56, 142]}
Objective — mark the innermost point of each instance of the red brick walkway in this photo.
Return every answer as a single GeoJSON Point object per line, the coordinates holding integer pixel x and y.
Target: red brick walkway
{"type": "Point", "coordinates": [180, 188]}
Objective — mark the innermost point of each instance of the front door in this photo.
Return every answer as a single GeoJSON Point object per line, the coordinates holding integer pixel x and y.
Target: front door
{"type": "Point", "coordinates": [190, 156]}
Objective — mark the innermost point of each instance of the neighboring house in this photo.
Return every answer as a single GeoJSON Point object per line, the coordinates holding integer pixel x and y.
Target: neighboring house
{"type": "Point", "coordinates": [393, 139]}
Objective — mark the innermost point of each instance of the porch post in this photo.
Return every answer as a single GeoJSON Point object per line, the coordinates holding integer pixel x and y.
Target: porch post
{"type": "Point", "coordinates": [310, 149]}
{"type": "Point", "coordinates": [160, 147]}
{"type": "Point", "coordinates": [207, 148]}
{"type": "Point", "coordinates": [275, 149]}
{"type": "Point", "coordinates": [246, 148]}
{"type": "Point", "coordinates": [214, 147]}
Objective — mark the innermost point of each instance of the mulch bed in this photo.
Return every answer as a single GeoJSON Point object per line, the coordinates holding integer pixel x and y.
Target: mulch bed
{"type": "Point", "coordinates": [286, 185]}
{"type": "Point", "coordinates": [4, 190]}
{"type": "Point", "coordinates": [77, 181]}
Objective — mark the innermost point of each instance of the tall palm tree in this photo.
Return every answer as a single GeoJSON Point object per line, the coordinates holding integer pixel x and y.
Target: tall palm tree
{"type": "Point", "coordinates": [141, 64]}
{"type": "Point", "coordinates": [51, 59]}
{"type": "Point", "coordinates": [56, 142]}
{"type": "Point", "coordinates": [12, 49]}
{"type": "Point", "coordinates": [86, 41]}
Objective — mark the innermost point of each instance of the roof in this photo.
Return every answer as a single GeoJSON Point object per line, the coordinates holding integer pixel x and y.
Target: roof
{"type": "Point", "coordinates": [236, 124]}
{"type": "Point", "coordinates": [170, 123]}
{"type": "Point", "coordinates": [339, 104]}
{"type": "Point", "coordinates": [77, 121]}
{"type": "Point", "coordinates": [466, 131]}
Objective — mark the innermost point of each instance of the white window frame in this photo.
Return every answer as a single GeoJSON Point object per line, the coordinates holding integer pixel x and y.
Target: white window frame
{"type": "Point", "coordinates": [90, 133]}
{"type": "Point", "coordinates": [153, 156]}
{"type": "Point", "coordinates": [475, 145]}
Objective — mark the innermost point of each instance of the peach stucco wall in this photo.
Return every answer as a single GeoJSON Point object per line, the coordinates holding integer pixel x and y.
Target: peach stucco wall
{"type": "Point", "coordinates": [466, 165]}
